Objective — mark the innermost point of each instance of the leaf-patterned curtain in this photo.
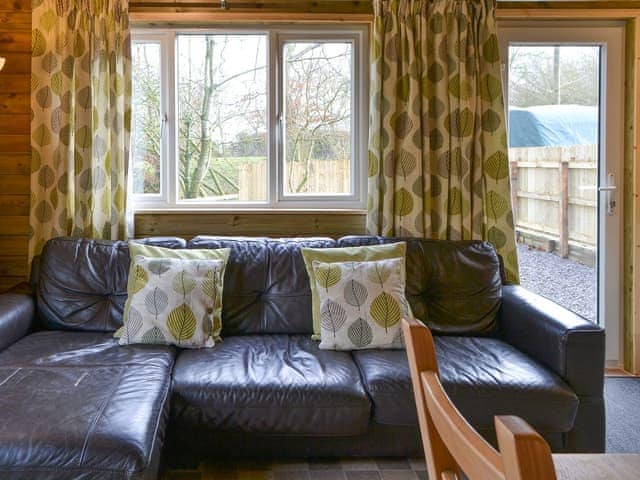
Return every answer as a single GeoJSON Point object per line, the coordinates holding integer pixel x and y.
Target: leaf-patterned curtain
{"type": "Point", "coordinates": [80, 104]}
{"type": "Point", "coordinates": [438, 148]}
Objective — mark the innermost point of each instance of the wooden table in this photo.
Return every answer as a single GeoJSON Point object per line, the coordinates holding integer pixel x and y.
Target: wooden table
{"type": "Point", "coordinates": [609, 466]}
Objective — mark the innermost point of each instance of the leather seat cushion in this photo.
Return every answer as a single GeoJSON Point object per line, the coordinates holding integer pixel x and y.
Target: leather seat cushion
{"type": "Point", "coordinates": [277, 384]}
{"type": "Point", "coordinates": [483, 377]}
{"type": "Point", "coordinates": [82, 412]}
{"type": "Point", "coordinates": [67, 348]}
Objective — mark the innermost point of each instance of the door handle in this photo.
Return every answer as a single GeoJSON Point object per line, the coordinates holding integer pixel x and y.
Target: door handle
{"type": "Point", "coordinates": [610, 189]}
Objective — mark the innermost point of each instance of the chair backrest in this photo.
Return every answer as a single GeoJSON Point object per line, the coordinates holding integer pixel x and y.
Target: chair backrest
{"type": "Point", "coordinates": [451, 445]}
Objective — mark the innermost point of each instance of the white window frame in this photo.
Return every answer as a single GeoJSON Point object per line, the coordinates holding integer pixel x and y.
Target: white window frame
{"type": "Point", "coordinates": [277, 36]}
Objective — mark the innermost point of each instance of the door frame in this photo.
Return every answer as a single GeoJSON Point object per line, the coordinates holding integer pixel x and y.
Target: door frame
{"type": "Point", "coordinates": [630, 13]}
{"type": "Point", "coordinates": [610, 35]}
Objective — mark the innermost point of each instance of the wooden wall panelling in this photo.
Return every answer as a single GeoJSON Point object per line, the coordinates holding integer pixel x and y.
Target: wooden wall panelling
{"type": "Point", "coordinates": [251, 223]}
{"type": "Point", "coordinates": [15, 148]}
{"type": "Point", "coordinates": [629, 207]}
{"type": "Point", "coordinates": [193, 12]}
{"type": "Point", "coordinates": [266, 6]}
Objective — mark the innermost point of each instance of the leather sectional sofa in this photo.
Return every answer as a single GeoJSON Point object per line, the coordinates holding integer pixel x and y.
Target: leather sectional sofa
{"type": "Point", "coordinates": [76, 405]}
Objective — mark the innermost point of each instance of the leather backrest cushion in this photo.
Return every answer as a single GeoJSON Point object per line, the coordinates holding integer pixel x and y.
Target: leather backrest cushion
{"type": "Point", "coordinates": [454, 287]}
{"type": "Point", "coordinates": [266, 286]}
{"type": "Point", "coordinates": [82, 283]}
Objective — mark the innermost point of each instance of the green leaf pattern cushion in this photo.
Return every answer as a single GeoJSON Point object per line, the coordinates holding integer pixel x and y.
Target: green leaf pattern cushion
{"type": "Point", "coordinates": [361, 304]}
{"type": "Point", "coordinates": [346, 254]}
{"type": "Point", "coordinates": [174, 301]}
{"type": "Point", "coordinates": [137, 276]}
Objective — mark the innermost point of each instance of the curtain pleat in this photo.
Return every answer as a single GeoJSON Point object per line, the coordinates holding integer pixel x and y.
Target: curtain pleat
{"type": "Point", "coordinates": [438, 163]}
{"type": "Point", "coordinates": [81, 114]}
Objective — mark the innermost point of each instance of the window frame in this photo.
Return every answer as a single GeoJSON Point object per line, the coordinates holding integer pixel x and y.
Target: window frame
{"type": "Point", "coordinates": [277, 36]}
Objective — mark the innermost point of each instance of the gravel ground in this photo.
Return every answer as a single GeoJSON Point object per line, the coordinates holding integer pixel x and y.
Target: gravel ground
{"type": "Point", "coordinates": [564, 281]}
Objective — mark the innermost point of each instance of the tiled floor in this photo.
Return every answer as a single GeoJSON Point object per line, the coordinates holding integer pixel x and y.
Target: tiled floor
{"type": "Point", "coordinates": [317, 469]}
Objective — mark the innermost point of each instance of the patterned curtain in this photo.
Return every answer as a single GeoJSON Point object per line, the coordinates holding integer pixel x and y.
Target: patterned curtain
{"type": "Point", "coordinates": [81, 114]}
{"type": "Point", "coordinates": [438, 148]}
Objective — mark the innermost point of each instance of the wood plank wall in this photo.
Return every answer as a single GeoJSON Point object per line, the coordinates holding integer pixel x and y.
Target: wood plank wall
{"type": "Point", "coordinates": [15, 156]}
{"type": "Point", "coordinates": [269, 8]}
{"type": "Point", "coordinates": [271, 223]}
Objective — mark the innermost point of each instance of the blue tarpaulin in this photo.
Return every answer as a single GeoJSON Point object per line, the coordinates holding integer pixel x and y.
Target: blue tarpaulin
{"type": "Point", "coordinates": [551, 125]}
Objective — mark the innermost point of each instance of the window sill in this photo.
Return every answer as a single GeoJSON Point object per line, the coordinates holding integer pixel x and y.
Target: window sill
{"type": "Point", "coordinates": [249, 211]}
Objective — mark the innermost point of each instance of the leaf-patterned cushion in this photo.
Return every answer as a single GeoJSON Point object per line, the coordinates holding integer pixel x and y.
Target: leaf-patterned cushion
{"type": "Point", "coordinates": [361, 304]}
{"type": "Point", "coordinates": [362, 253]}
{"type": "Point", "coordinates": [174, 302]}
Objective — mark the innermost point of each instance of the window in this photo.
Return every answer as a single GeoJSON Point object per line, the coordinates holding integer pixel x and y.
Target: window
{"type": "Point", "coordinates": [272, 118]}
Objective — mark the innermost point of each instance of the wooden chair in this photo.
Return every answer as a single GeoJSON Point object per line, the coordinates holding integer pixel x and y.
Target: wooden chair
{"type": "Point", "coordinates": [451, 445]}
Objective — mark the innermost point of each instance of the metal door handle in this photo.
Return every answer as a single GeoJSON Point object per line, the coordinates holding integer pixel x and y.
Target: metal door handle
{"type": "Point", "coordinates": [610, 189]}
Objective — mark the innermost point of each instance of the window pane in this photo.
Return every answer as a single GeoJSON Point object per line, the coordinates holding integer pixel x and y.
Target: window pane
{"type": "Point", "coordinates": [554, 125]}
{"type": "Point", "coordinates": [145, 135]}
{"type": "Point", "coordinates": [222, 108]}
{"type": "Point", "coordinates": [317, 77]}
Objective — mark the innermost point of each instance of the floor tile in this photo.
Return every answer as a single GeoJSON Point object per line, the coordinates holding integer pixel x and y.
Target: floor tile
{"type": "Point", "coordinates": [393, 464]}
{"type": "Point", "coordinates": [363, 475]}
{"type": "Point", "coordinates": [349, 464]}
{"type": "Point", "coordinates": [287, 466]}
{"type": "Point", "coordinates": [291, 475]}
{"type": "Point", "coordinates": [313, 469]}
{"type": "Point", "coordinates": [324, 464]}
{"type": "Point", "coordinates": [327, 475]}
{"type": "Point", "coordinates": [398, 475]}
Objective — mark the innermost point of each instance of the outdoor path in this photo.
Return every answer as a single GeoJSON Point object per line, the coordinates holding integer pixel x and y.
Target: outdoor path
{"type": "Point", "coordinates": [569, 283]}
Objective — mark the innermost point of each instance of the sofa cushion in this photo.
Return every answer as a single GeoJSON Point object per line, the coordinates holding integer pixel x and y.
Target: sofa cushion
{"type": "Point", "coordinates": [266, 286]}
{"type": "Point", "coordinates": [270, 384]}
{"type": "Point", "coordinates": [202, 298]}
{"type": "Point", "coordinates": [454, 287]}
{"type": "Point", "coordinates": [483, 376]}
{"type": "Point", "coordinates": [58, 348]}
{"type": "Point", "coordinates": [82, 410]}
{"type": "Point", "coordinates": [173, 302]}
{"type": "Point", "coordinates": [361, 304]}
{"type": "Point", "coordinates": [345, 254]}
{"type": "Point", "coordinates": [82, 284]}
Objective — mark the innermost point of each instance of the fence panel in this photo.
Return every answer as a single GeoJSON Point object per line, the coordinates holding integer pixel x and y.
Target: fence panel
{"type": "Point", "coordinates": [554, 194]}
{"type": "Point", "coordinates": [323, 176]}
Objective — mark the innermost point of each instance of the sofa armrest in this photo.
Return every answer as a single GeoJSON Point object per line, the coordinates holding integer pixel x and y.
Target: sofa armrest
{"type": "Point", "coordinates": [561, 340]}
{"type": "Point", "coordinates": [17, 313]}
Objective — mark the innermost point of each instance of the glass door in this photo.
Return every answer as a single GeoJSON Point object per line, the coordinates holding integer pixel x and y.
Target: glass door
{"type": "Point", "coordinates": [565, 134]}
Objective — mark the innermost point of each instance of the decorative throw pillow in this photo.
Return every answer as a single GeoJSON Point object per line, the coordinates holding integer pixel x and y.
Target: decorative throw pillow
{"type": "Point", "coordinates": [174, 301]}
{"type": "Point", "coordinates": [346, 254]}
{"type": "Point", "coordinates": [140, 249]}
{"type": "Point", "coordinates": [361, 304]}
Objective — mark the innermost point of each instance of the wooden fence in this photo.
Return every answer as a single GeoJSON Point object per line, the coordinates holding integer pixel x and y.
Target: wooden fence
{"type": "Point", "coordinates": [324, 176]}
{"type": "Point", "coordinates": [553, 192]}
{"type": "Point", "coordinates": [555, 198]}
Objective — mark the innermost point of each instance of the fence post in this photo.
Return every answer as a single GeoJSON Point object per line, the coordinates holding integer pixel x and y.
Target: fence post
{"type": "Point", "coordinates": [514, 188]}
{"type": "Point", "coordinates": [564, 208]}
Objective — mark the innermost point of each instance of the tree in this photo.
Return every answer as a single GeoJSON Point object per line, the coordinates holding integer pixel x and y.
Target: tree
{"type": "Point", "coordinates": [222, 110]}
{"type": "Point", "coordinates": [147, 120]}
{"type": "Point", "coordinates": [550, 75]}
{"type": "Point", "coordinates": [213, 100]}
{"type": "Point", "coordinates": [318, 111]}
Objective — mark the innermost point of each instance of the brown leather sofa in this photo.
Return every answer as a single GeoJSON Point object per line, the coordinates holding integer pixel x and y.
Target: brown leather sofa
{"type": "Point", "coordinates": [76, 405]}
